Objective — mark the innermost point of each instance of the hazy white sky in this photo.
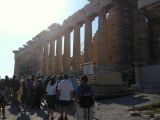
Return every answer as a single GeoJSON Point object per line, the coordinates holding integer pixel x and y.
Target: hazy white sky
{"type": "Point", "coordinates": [21, 20]}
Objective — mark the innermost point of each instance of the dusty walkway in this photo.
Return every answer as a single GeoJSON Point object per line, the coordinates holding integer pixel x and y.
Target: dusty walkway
{"type": "Point", "coordinates": [109, 109]}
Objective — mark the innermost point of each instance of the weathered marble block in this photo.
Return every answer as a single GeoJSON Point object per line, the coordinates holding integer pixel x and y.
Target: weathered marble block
{"type": "Point", "coordinates": [108, 78]}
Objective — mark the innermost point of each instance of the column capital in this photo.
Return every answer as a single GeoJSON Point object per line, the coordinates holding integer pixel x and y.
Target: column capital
{"type": "Point", "coordinates": [79, 25]}
{"type": "Point", "coordinates": [46, 43]}
{"type": "Point", "coordinates": [16, 58]}
{"type": "Point", "coordinates": [54, 38]}
{"type": "Point", "coordinates": [60, 35]}
{"type": "Point", "coordinates": [90, 18]}
{"type": "Point", "coordinates": [69, 30]}
{"type": "Point", "coordinates": [36, 49]}
{"type": "Point", "coordinates": [40, 45]}
{"type": "Point", "coordinates": [103, 11]}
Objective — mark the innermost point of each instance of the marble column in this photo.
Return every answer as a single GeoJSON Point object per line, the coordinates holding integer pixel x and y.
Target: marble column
{"type": "Point", "coordinates": [45, 59]}
{"type": "Point", "coordinates": [52, 57]}
{"type": "Point", "coordinates": [88, 45]}
{"type": "Point", "coordinates": [23, 64]}
{"type": "Point", "coordinates": [58, 68]}
{"type": "Point", "coordinates": [119, 34]}
{"type": "Point", "coordinates": [39, 60]}
{"type": "Point", "coordinates": [102, 38]}
{"type": "Point", "coordinates": [35, 61]}
{"type": "Point", "coordinates": [154, 34]}
{"type": "Point", "coordinates": [20, 65]}
{"type": "Point", "coordinates": [32, 62]}
{"type": "Point", "coordinates": [29, 57]}
{"type": "Point", "coordinates": [27, 60]}
{"type": "Point", "coordinates": [16, 64]}
{"type": "Point", "coordinates": [76, 49]}
{"type": "Point", "coordinates": [16, 71]}
{"type": "Point", "coordinates": [66, 58]}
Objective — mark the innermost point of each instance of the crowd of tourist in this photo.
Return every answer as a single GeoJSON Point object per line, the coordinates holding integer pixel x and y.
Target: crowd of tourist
{"type": "Point", "coordinates": [55, 90]}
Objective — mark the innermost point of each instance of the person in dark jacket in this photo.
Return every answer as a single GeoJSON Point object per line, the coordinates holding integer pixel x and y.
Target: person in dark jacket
{"type": "Point", "coordinates": [11, 85]}
{"type": "Point", "coordinates": [15, 86]}
{"type": "Point", "coordinates": [29, 91]}
{"type": "Point", "coordinates": [7, 84]}
{"type": "Point", "coordinates": [33, 78]}
{"type": "Point", "coordinates": [37, 89]}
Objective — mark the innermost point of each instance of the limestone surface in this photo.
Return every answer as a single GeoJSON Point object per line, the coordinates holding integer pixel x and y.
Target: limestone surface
{"type": "Point", "coordinates": [108, 78]}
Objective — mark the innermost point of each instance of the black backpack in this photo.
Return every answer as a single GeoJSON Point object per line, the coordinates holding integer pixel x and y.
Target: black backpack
{"type": "Point", "coordinates": [86, 99]}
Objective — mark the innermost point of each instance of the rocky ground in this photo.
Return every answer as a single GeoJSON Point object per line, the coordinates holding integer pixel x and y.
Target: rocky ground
{"type": "Point", "coordinates": [108, 109]}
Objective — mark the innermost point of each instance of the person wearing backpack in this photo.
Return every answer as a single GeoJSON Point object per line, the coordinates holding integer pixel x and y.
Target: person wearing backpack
{"type": "Point", "coordinates": [84, 100]}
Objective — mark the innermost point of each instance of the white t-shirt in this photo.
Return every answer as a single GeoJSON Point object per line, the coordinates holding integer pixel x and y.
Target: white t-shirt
{"type": "Point", "coordinates": [51, 89]}
{"type": "Point", "coordinates": [65, 86]}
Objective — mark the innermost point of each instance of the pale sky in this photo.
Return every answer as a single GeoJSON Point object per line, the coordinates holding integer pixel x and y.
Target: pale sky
{"type": "Point", "coordinates": [21, 20]}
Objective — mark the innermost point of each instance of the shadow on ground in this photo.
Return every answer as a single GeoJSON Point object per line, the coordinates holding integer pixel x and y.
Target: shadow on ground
{"type": "Point", "coordinates": [39, 113]}
{"type": "Point", "coordinates": [124, 100]}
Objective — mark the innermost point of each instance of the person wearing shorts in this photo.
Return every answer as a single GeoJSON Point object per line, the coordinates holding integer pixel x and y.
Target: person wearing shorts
{"type": "Point", "coordinates": [51, 96]}
{"type": "Point", "coordinates": [80, 113]}
{"type": "Point", "coordinates": [64, 94]}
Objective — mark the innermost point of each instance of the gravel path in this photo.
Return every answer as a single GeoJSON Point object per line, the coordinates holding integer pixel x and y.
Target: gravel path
{"type": "Point", "coordinates": [109, 109]}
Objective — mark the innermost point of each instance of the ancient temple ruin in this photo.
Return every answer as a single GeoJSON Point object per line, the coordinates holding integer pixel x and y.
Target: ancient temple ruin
{"type": "Point", "coordinates": [125, 36]}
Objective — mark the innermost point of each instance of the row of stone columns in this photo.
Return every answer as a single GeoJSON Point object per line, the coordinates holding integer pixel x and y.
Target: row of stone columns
{"type": "Point", "coordinates": [51, 64]}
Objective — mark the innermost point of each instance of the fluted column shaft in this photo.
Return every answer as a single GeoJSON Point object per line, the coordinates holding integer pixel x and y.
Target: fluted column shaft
{"type": "Point", "coordinates": [40, 60]}
{"type": "Point", "coordinates": [16, 67]}
{"type": "Point", "coordinates": [66, 58]}
{"type": "Point", "coordinates": [88, 46]}
{"type": "Point", "coordinates": [45, 59]}
{"type": "Point", "coordinates": [102, 38]}
{"type": "Point", "coordinates": [24, 62]}
{"type": "Point", "coordinates": [20, 65]}
{"type": "Point", "coordinates": [23, 65]}
{"type": "Point", "coordinates": [76, 49]}
{"type": "Point", "coordinates": [59, 55]}
{"type": "Point", "coordinates": [52, 57]}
